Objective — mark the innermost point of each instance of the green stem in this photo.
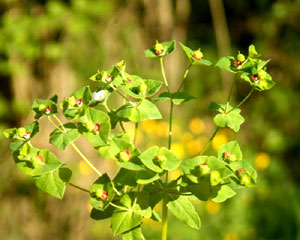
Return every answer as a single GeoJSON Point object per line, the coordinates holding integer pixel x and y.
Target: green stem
{"type": "Point", "coordinates": [184, 77]}
{"type": "Point", "coordinates": [122, 126]}
{"type": "Point", "coordinates": [80, 188]}
{"type": "Point", "coordinates": [73, 144]}
{"type": "Point", "coordinates": [163, 74]}
{"type": "Point", "coordinates": [244, 100]}
{"type": "Point", "coordinates": [164, 232]}
{"type": "Point", "coordinates": [170, 124]}
{"type": "Point", "coordinates": [85, 159]}
{"type": "Point", "coordinates": [210, 140]}
{"type": "Point", "coordinates": [119, 207]}
{"type": "Point", "coordinates": [106, 107]}
{"type": "Point", "coordinates": [135, 132]}
{"type": "Point", "coordinates": [230, 93]}
{"type": "Point", "coordinates": [120, 93]}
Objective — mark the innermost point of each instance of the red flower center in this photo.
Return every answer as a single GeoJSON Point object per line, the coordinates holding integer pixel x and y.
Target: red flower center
{"type": "Point", "coordinates": [104, 196]}
{"type": "Point", "coordinates": [237, 63]}
{"type": "Point", "coordinates": [41, 158]}
{"type": "Point", "coordinates": [159, 52]}
{"type": "Point", "coordinates": [48, 110]}
{"type": "Point", "coordinates": [27, 135]}
{"type": "Point", "coordinates": [108, 78]}
{"type": "Point", "coordinates": [79, 102]}
{"type": "Point", "coordinates": [255, 78]}
{"type": "Point", "coordinates": [97, 128]}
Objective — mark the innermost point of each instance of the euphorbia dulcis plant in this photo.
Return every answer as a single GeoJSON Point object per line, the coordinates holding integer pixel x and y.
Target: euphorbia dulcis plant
{"type": "Point", "coordinates": [143, 179]}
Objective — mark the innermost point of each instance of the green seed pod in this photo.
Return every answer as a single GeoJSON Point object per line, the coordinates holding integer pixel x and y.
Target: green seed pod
{"type": "Point", "coordinates": [42, 107]}
{"type": "Point", "coordinates": [21, 132]}
{"type": "Point", "coordinates": [38, 160]}
{"type": "Point", "coordinates": [240, 57]}
{"type": "Point", "coordinates": [101, 194]}
{"type": "Point", "coordinates": [246, 180]}
{"type": "Point", "coordinates": [159, 48]}
{"type": "Point", "coordinates": [143, 89]}
{"type": "Point", "coordinates": [205, 169]}
{"type": "Point", "coordinates": [72, 101]}
{"type": "Point", "coordinates": [197, 55]}
{"type": "Point", "coordinates": [160, 159]}
{"type": "Point", "coordinates": [215, 178]}
{"type": "Point", "coordinates": [124, 155]}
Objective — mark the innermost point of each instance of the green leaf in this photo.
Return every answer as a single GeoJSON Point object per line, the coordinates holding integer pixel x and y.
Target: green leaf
{"type": "Point", "coordinates": [73, 110]}
{"type": "Point", "coordinates": [223, 194]}
{"type": "Point", "coordinates": [51, 163]}
{"type": "Point", "coordinates": [232, 148]}
{"type": "Point", "coordinates": [177, 98]}
{"type": "Point", "coordinates": [226, 63]}
{"type": "Point", "coordinates": [184, 210]}
{"type": "Point", "coordinates": [21, 135]}
{"type": "Point", "coordinates": [103, 183]}
{"type": "Point", "coordinates": [134, 164]}
{"type": "Point", "coordinates": [148, 157]}
{"type": "Point", "coordinates": [100, 215]}
{"type": "Point", "coordinates": [44, 108]}
{"type": "Point", "coordinates": [219, 107]}
{"type": "Point", "coordinates": [146, 176]}
{"type": "Point", "coordinates": [54, 182]}
{"type": "Point", "coordinates": [62, 138]}
{"type": "Point", "coordinates": [133, 234]}
{"type": "Point", "coordinates": [137, 112]}
{"type": "Point", "coordinates": [169, 47]}
{"type": "Point", "coordinates": [137, 207]}
{"type": "Point", "coordinates": [140, 88]}
{"type": "Point", "coordinates": [189, 53]}
{"type": "Point", "coordinates": [125, 178]}
{"type": "Point", "coordinates": [94, 116]}
{"type": "Point", "coordinates": [232, 119]}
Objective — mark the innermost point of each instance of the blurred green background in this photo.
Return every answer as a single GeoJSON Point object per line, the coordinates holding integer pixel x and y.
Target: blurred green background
{"type": "Point", "coordinates": [49, 47]}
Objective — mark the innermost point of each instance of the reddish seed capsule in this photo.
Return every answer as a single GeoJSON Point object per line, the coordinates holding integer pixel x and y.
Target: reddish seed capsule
{"type": "Point", "coordinates": [240, 171]}
{"type": "Point", "coordinates": [27, 135]}
{"type": "Point", "coordinates": [226, 155]}
{"type": "Point", "coordinates": [129, 79]}
{"type": "Point", "coordinates": [97, 128]}
{"type": "Point", "coordinates": [108, 78]}
{"type": "Point", "coordinates": [104, 196]}
{"type": "Point", "coordinates": [255, 78]}
{"type": "Point", "coordinates": [79, 102]}
{"type": "Point", "coordinates": [41, 158]}
{"type": "Point", "coordinates": [48, 110]}
{"type": "Point", "coordinates": [159, 52]}
{"type": "Point", "coordinates": [125, 155]}
{"type": "Point", "coordinates": [237, 63]}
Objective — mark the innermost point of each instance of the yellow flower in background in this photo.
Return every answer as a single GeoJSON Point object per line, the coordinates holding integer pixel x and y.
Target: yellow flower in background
{"type": "Point", "coordinates": [212, 207]}
{"type": "Point", "coordinates": [162, 129]}
{"type": "Point", "coordinates": [231, 236]}
{"type": "Point", "coordinates": [178, 149]}
{"type": "Point", "coordinates": [194, 146]}
{"type": "Point", "coordinates": [185, 137]}
{"type": "Point", "coordinates": [148, 127]}
{"type": "Point", "coordinates": [176, 130]}
{"type": "Point", "coordinates": [219, 140]}
{"type": "Point", "coordinates": [84, 169]}
{"type": "Point", "coordinates": [196, 126]}
{"type": "Point", "coordinates": [262, 161]}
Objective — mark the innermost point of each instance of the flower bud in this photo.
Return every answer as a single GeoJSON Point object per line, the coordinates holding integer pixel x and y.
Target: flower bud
{"type": "Point", "coordinates": [197, 55]}
{"type": "Point", "coordinates": [215, 178]}
{"type": "Point", "coordinates": [159, 49]}
{"type": "Point", "coordinates": [204, 168]}
{"type": "Point", "coordinates": [48, 110]}
{"type": "Point", "coordinates": [101, 194]}
{"type": "Point", "coordinates": [240, 57]}
{"type": "Point", "coordinates": [160, 159]}
{"type": "Point", "coordinates": [124, 155]}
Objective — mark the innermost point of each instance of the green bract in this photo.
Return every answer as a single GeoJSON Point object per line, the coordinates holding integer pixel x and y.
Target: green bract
{"type": "Point", "coordinates": [143, 179]}
{"type": "Point", "coordinates": [195, 57]}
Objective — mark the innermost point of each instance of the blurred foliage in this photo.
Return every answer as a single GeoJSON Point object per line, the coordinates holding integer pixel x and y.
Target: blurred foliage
{"type": "Point", "coordinates": [81, 36]}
